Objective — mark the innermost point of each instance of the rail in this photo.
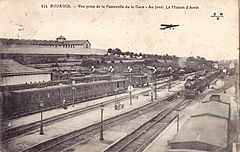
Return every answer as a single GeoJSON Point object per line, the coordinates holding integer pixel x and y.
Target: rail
{"type": "Point", "coordinates": [150, 129]}
{"type": "Point", "coordinates": [92, 129]}
{"type": "Point", "coordinates": [16, 131]}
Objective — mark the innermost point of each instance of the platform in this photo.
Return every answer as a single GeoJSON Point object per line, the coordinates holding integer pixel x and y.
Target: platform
{"type": "Point", "coordinates": [54, 112]}
{"type": "Point", "coordinates": [75, 123]}
{"type": "Point", "coordinates": [160, 144]}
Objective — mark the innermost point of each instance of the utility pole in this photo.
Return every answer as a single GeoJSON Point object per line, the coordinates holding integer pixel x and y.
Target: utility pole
{"type": "Point", "coordinates": [169, 85]}
{"type": "Point", "coordinates": [130, 84]}
{"type": "Point", "coordinates": [130, 89]}
{"type": "Point", "coordinates": [101, 129]}
{"type": "Point", "coordinates": [155, 86]}
{"type": "Point", "coordinates": [73, 96]}
{"type": "Point", "coordinates": [115, 93]}
{"type": "Point", "coordinates": [178, 113]}
{"type": "Point", "coordinates": [111, 70]}
{"type": "Point", "coordinates": [41, 126]}
{"type": "Point", "coordinates": [73, 93]}
{"type": "Point", "coordinates": [152, 89]}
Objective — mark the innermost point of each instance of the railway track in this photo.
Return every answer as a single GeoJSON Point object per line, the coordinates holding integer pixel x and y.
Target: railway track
{"type": "Point", "coordinates": [62, 142]}
{"type": "Point", "coordinates": [226, 86]}
{"type": "Point", "coordinates": [16, 131]}
{"type": "Point", "coordinates": [139, 139]}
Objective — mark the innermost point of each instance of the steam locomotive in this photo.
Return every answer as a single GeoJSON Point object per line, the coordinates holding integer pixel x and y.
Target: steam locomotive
{"type": "Point", "coordinates": [198, 84]}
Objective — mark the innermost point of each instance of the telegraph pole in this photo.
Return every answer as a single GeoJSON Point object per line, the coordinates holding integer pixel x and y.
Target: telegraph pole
{"type": "Point", "coordinates": [155, 84]}
{"type": "Point", "coordinates": [130, 89]}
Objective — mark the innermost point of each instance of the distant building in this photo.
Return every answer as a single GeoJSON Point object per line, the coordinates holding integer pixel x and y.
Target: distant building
{"type": "Point", "coordinates": [13, 73]}
{"type": "Point", "coordinates": [231, 65]}
{"type": "Point", "coordinates": [215, 65]}
{"type": "Point", "coordinates": [61, 41]}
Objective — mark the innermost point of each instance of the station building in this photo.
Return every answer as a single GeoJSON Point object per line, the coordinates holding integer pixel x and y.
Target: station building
{"type": "Point", "coordinates": [13, 73]}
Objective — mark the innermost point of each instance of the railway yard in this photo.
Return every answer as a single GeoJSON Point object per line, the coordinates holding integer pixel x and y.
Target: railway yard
{"type": "Point", "coordinates": [143, 119]}
{"type": "Point", "coordinates": [130, 106]}
{"type": "Point", "coordinates": [119, 76]}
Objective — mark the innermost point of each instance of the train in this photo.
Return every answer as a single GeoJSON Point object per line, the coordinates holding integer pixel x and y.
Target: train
{"type": "Point", "coordinates": [139, 80]}
{"type": "Point", "coordinates": [199, 83]}
{"type": "Point", "coordinates": [81, 79]}
{"type": "Point", "coordinates": [25, 99]}
{"type": "Point", "coordinates": [90, 78]}
{"type": "Point", "coordinates": [18, 103]}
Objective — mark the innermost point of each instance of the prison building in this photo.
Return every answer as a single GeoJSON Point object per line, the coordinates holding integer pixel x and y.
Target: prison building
{"type": "Point", "coordinates": [60, 41]}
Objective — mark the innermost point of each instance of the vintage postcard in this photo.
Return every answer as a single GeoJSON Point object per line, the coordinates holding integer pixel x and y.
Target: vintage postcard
{"type": "Point", "coordinates": [119, 75]}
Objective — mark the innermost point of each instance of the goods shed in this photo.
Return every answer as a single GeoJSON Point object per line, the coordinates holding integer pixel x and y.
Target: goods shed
{"type": "Point", "coordinates": [220, 97]}
{"type": "Point", "coordinates": [202, 133]}
{"type": "Point", "coordinates": [184, 150]}
{"type": "Point", "coordinates": [214, 108]}
{"type": "Point", "coordinates": [206, 129]}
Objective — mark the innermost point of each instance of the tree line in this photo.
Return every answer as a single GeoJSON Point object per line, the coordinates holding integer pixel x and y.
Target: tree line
{"type": "Point", "coordinates": [118, 52]}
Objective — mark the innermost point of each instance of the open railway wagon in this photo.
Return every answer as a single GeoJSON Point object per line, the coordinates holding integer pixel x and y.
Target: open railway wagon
{"type": "Point", "coordinates": [145, 80]}
{"type": "Point", "coordinates": [90, 78]}
{"type": "Point", "coordinates": [139, 80]}
{"type": "Point", "coordinates": [197, 85]}
{"type": "Point", "coordinates": [178, 74]}
{"type": "Point", "coordinates": [27, 101]}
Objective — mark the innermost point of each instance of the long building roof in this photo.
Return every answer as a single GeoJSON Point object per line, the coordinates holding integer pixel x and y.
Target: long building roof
{"type": "Point", "coordinates": [205, 129]}
{"type": "Point", "coordinates": [223, 97]}
{"type": "Point", "coordinates": [8, 42]}
{"type": "Point", "coordinates": [184, 150]}
{"type": "Point", "coordinates": [207, 125]}
{"type": "Point", "coordinates": [213, 108]}
{"type": "Point", "coordinates": [66, 85]}
{"type": "Point", "coordinates": [11, 67]}
{"type": "Point", "coordinates": [51, 50]}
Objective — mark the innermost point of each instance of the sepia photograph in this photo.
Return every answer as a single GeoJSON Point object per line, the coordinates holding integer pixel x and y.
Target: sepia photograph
{"type": "Point", "coordinates": [119, 76]}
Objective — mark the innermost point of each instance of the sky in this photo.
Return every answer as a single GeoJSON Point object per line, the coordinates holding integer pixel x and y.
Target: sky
{"type": "Point", "coordinates": [130, 29]}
